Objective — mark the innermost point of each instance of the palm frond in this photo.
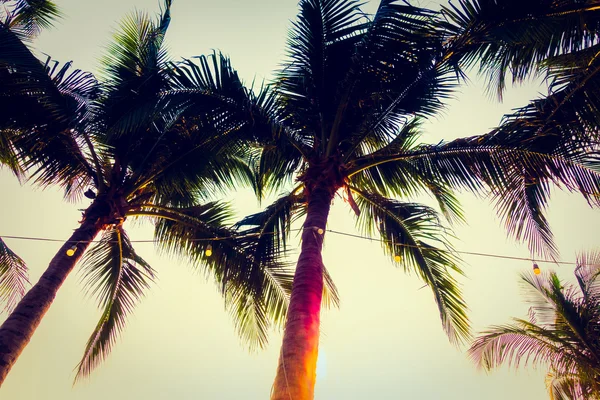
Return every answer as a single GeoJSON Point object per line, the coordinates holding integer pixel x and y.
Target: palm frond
{"type": "Point", "coordinates": [522, 342]}
{"type": "Point", "coordinates": [411, 231]}
{"type": "Point", "coordinates": [567, 387]}
{"type": "Point", "coordinates": [210, 86]}
{"type": "Point", "coordinates": [27, 18]}
{"type": "Point", "coordinates": [400, 178]}
{"type": "Point", "coordinates": [319, 47]}
{"type": "Point", "coordinates": [562, 332]}
{"type": "Point", "coordinates": [399, 72]}
{"type": "Point", "coordinates": [587, 274]}
{"type": "Point", "coordinates": [117, 276]}
{"type": "Point", "coordinates": [518, 170]}
{"type": "Point", "coordinates": [272, 225]}
{"type": "Point", "coordinates": [272, 229]}
{"type": "Point", "coordinates": [13, 277]}
{"type": "Point", "coordinates": [41, 105]}
{"type": "Point", "coordinates": [135, 73]}
{"type": "Point", "coordinates": [8, 152]}
{"type": "Point", "coordinates": [511, 37]}
{"type": "Point", "coordinates": [256, 290]}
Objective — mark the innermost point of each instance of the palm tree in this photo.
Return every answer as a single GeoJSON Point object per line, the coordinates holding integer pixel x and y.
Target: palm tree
{"type": "Point", "coordinates": [20, 105]}
{"type": "Point", "coordinates": [346, 111]}
{"type": "Point", "coordinates": [562, 332]}
{"type": "Point", "coordinates": [137, 146]}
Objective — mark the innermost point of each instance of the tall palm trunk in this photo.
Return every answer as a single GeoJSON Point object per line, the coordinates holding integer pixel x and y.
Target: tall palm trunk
{"type": "Point", "coordinates": [296, 372]}
{"type": "Point", "coordinates": [20, 325]}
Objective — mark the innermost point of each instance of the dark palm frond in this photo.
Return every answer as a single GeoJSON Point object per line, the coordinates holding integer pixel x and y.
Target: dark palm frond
{"type": "Point", "coordinates": [13, 277]}
{"type": "Point", "coordinates": [57, 152]}
{"type": "Point", "coordinates": [209, 86]}
{"type": "Point", "coordinates": [41, 106]}
{"type": "Point", "coordinates": [256, 291]}
{"type": "Point", "coordinates": [320, 45]}
{"type": "Point", "coordinates": [8, 153]}
{"type": "Point", "coordinates": [135, 72]}
{"type": "Point", "coordinates": [117, 276]}
{"type": "Point", "coordinates": [412, 232]}
{"type": "Point", "coordinates": [272, 229]}
{"type": "Point", "coordinates": [573, 104]}
{"type": "Point", "coordinates": [272, 225]}
{"type": "Point", "coordinates": [207, 117]}
{"type": "Point", "coordinates": [512, 37]}
{"type": "Point", "coordinates": [518, 169]}
{"type": "Point", "coordinates": [51, 92]}
{"type": "Point", "coordinates": [399, 71]}
{"type": "Point", "coordinates": [210, 90]}
{"type": "Point", "coordinates": [400, 178]}
{"type": "Point", "coordinates": [185, 166]}
{"type": "Point", "coordinates": [27, 18]}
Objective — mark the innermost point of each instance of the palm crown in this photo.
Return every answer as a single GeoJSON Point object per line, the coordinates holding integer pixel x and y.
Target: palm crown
{"type": "Point", "coordinates": [561, 332]}
{"type": "Point", "coordinates": [139, 147]}
{"type": "Point", "coordinates": [346, 110]}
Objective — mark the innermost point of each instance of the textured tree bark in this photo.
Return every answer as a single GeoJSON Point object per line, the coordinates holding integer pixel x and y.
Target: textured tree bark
{"type": "Point", "coordinates": [20, 325]}
{"type": "Point", "coordinates": [296, 372]}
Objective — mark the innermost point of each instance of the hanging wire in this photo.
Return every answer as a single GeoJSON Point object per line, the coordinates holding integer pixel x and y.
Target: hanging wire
{"type": "Point", "coordinates": [346, 234]}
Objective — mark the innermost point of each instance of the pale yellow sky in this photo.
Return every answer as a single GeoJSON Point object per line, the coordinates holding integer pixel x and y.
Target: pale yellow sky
{"type": "Point", "coordinates": [385, 342]}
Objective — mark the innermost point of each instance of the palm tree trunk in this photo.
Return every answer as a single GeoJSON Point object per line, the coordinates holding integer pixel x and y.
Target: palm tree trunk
{"type": "Point", "coordinates": [296, 372]}
{"type": "Point", "coordinates": [20, 325]}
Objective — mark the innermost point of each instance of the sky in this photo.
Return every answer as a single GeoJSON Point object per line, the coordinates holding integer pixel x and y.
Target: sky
{"type": "Point", "coordinates": [385, 340]}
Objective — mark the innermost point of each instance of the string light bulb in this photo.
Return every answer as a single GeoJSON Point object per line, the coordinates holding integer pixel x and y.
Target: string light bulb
{"type": "Point", "coordinates": [536, 269]}
{"type": "Point", "coordinates": [208, 251]}
{"type": "Point", "coordinates": [71, 251]}
{"type": "Point", "coordinates": [397, 258]}
{"type": "Point", "coordinates": [320, 231]}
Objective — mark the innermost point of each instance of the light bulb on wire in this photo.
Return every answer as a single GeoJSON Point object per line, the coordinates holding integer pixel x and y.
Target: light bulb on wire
{"type": "Point", "coordinates": [208, 251]}
{"type": "Point", "coordinates": [536, 269]}
{"type": "Point", "coordinates": [71, 251]}
{"type": "Point", "coordinates": [397, 258]}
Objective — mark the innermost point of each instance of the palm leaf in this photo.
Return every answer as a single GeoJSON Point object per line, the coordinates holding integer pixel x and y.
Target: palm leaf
{"type": "Point", "coordinates": [13, 277]}
{"type": "Point", "coordinates": [28, 17]}
{"type": "Point", "coordinates": [561, 333]}
{"type": "Point", "coordinates": [399, 71]}
{"type": "Point", "coordinates": [517, 167]}
{"type": "Point", "coordinates": [135, 73]}
{"type": "Point", "coordinates": [521, 342]}
{"type": "Point", "coordinates": [508, 36]}
{"type": "Point", "coordinates": [256, 291]}
{"type": "Point", "coordinates": [117, 276]}
{"type": "Point", "coordinates": [272, 229]}
{"type": "Point", "coordinates": [319, 46]}
{"type": "Point", "coordinates": [410, 230]}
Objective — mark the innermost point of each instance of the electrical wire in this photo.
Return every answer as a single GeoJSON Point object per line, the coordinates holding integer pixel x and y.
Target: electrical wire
{"type": "Point", "coordinates": [346, 234]}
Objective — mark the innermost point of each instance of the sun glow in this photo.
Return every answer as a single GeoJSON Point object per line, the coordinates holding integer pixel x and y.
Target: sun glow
{"type": "Point", "coordinates": [321, 366]}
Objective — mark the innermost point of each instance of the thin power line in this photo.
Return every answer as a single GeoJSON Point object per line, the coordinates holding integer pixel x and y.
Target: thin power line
{"type": "Point", "coordinates": [472, 253]}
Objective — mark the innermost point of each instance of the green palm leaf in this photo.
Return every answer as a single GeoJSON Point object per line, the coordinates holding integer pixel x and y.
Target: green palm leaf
{"type": "Point", "coordinates": [272, 229]}
{"type": "Point", "coordinates": [256, 290]}
{"type": "Point", "coordinates": [13, 277]}
{"type": "Point", "coordinates": [28, 17]}
{"type": "Point", "coordinates": [411, 231]}
{"type": "Point", "coordinates": [118, 277]}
